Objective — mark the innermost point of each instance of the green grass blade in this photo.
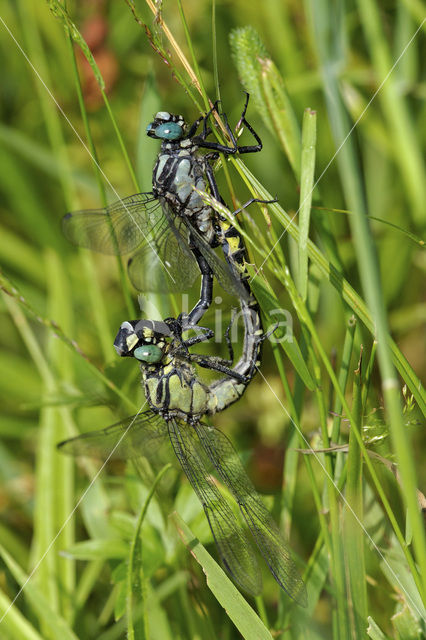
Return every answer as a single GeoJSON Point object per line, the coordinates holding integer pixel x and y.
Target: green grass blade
{"type": "Point", "coordinates": [55, 626]}
{"type": "Point", "coordinates": [158, 46]}
{"type": "Point", "coordinates": [414, 237]}
{"type": "Point", "coordinates": [138, 629]}
{"type": "Point", "coordinates": [262, 80]}
{"type": "Point", "coordinates": [238, 610]}
{"type": "Point", "coordinates": [343, 375]}
{"type": "Point", "coordinates": [306, 188]}
{"type": "Point", "coordinates": [14, 624]}
{"type": "Point", "coordinates": [31, 27]}
{"type": "Point", "coordinates": [374, 632]}
{"type": "Point", "coordinates": [19, 192]}
{"type": "Point", "coordinates": [401, 127]}
{"type": "Point", "coordinates": [417, 10]}
{"type": "Point", "coordinates": [42, 158]}
{"type": "Point", "coordinates": [341, 627]}
{"type": "Point", "coordinates": [352, 532]}
{"type": "Point", "coordinates": [53, 503]}
{"type": "Point", "coordinates": [62, 477]}
{"type": "Point", "coordinates": [193, 56]}
{"type": "Point", "coordinates": [60, 12]}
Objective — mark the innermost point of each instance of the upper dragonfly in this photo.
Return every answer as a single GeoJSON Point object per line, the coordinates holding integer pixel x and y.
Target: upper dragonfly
{"type": "Point", "coordinates": [172, 222]}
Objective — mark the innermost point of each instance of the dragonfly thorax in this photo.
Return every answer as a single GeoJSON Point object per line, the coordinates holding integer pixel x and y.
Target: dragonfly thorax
{"type": "Point", "coordinates": [172, 390]}
{"type": "Point", "coordinates": [176, 173]}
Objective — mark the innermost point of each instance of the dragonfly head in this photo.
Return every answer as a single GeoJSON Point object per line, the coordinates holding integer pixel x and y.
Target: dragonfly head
{"type": "Point", "coordinates": [145, 340]}
{"type": "Point", "coordinates": [166, 126]}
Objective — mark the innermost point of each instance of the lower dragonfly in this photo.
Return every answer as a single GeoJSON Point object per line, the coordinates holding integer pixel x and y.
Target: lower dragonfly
{"type": "Point", "coordinates": [178, 401]}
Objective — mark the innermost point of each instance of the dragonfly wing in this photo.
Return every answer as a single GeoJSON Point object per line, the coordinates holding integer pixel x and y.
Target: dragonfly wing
{"type": "Point", "coordinates": [166, 263]}
{"type": "Point", "coordinates": [136, 436]}
{"type": "Point", "coordinates": [234, 548]}
{"type": "Point", "coordinates": [119, 228]}
{"type": "Point", "coordinates": [272, 546]}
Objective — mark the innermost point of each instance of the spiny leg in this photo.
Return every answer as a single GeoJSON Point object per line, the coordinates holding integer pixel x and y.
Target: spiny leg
{"type": "Point", "coordinates": [177, 326]}
{"type": "Point", "coordinates": [216, 146]}
{"type": "Point", "coordinates": [204, 334]}
{"type": "Point", "coordinates": [214, 363]}
{"type": "Point", "coordinates": [252, 201]}
{"type": "Point", "coordinates": [228, 149]}
{"type": "Point", "coordinates": [254, 148]}
{"type": "Point", "coordinates": [194, 126]}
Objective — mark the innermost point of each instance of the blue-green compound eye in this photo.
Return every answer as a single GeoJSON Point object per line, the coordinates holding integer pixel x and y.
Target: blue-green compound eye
{"type": "Point", "coordinates": [150, 353]}
{"type": "Point", "coordinates": [169, 131]}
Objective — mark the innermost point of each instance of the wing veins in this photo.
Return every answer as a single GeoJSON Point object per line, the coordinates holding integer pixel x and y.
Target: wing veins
{"type": "Point", "coordinates": [265, 531]}
{"type": "Point", "coordinates": [234, 548]}
{"type": "Point", "coordinates": [127, 438]}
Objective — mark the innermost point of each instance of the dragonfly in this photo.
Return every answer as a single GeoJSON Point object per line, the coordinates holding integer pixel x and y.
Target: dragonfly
{"type": "Point", "coordinates": [170, 232]}
{"type": "Point", "coordinates": [179, 402]}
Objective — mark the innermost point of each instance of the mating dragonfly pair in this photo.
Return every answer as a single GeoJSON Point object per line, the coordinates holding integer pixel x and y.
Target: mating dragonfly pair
{"type": "Point", "coordinates": [181, 231]}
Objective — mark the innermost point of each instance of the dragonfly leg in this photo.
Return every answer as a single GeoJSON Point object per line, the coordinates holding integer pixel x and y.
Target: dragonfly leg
{"type": "Point", "coordinates": [252, 201]}
{"type": "Point", "coordinates": [269, 333]}
{"type": "Point", "coordinates": [216, 146]}
{"type": "Point", "coordinates": [206, 131]}
{"type": "Point", "coordinates": [193, 128]}
{"type": "Point", "coordinates": [215, 363]}
{"type": "Point", "coordinates": [201, 139]}
{"type": "Point", "coordinates": [253, 148]}
{"type": "Point", "coordinates": [215, 192]}
{"type": "Point", "coordinates": [228, 149]}
{"type": "Point", "coordinates": [222, 365]}
{"type": "Point", "coordinates": [176, 327]}
{"type": "Point", "coordinates": [205, 334]}
{"type": "Point", "coordinates": [214, 189]}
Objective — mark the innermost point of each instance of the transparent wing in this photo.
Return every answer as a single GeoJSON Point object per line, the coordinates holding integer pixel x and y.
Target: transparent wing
{"type": "Point", "coordinates": [139, 435]}
{"type": "Point", "coordinates": [119, 228]}
{"type": "Point", "coordinates": [234, 548]}
{"type": "Point", "coordinates": [225, 459]}
{"type": "Point", "coordinates": [166, 263]}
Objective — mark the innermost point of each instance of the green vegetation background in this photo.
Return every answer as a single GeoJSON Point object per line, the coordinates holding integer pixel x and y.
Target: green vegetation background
{"type": "Point", "coordinates": [61, 308]}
